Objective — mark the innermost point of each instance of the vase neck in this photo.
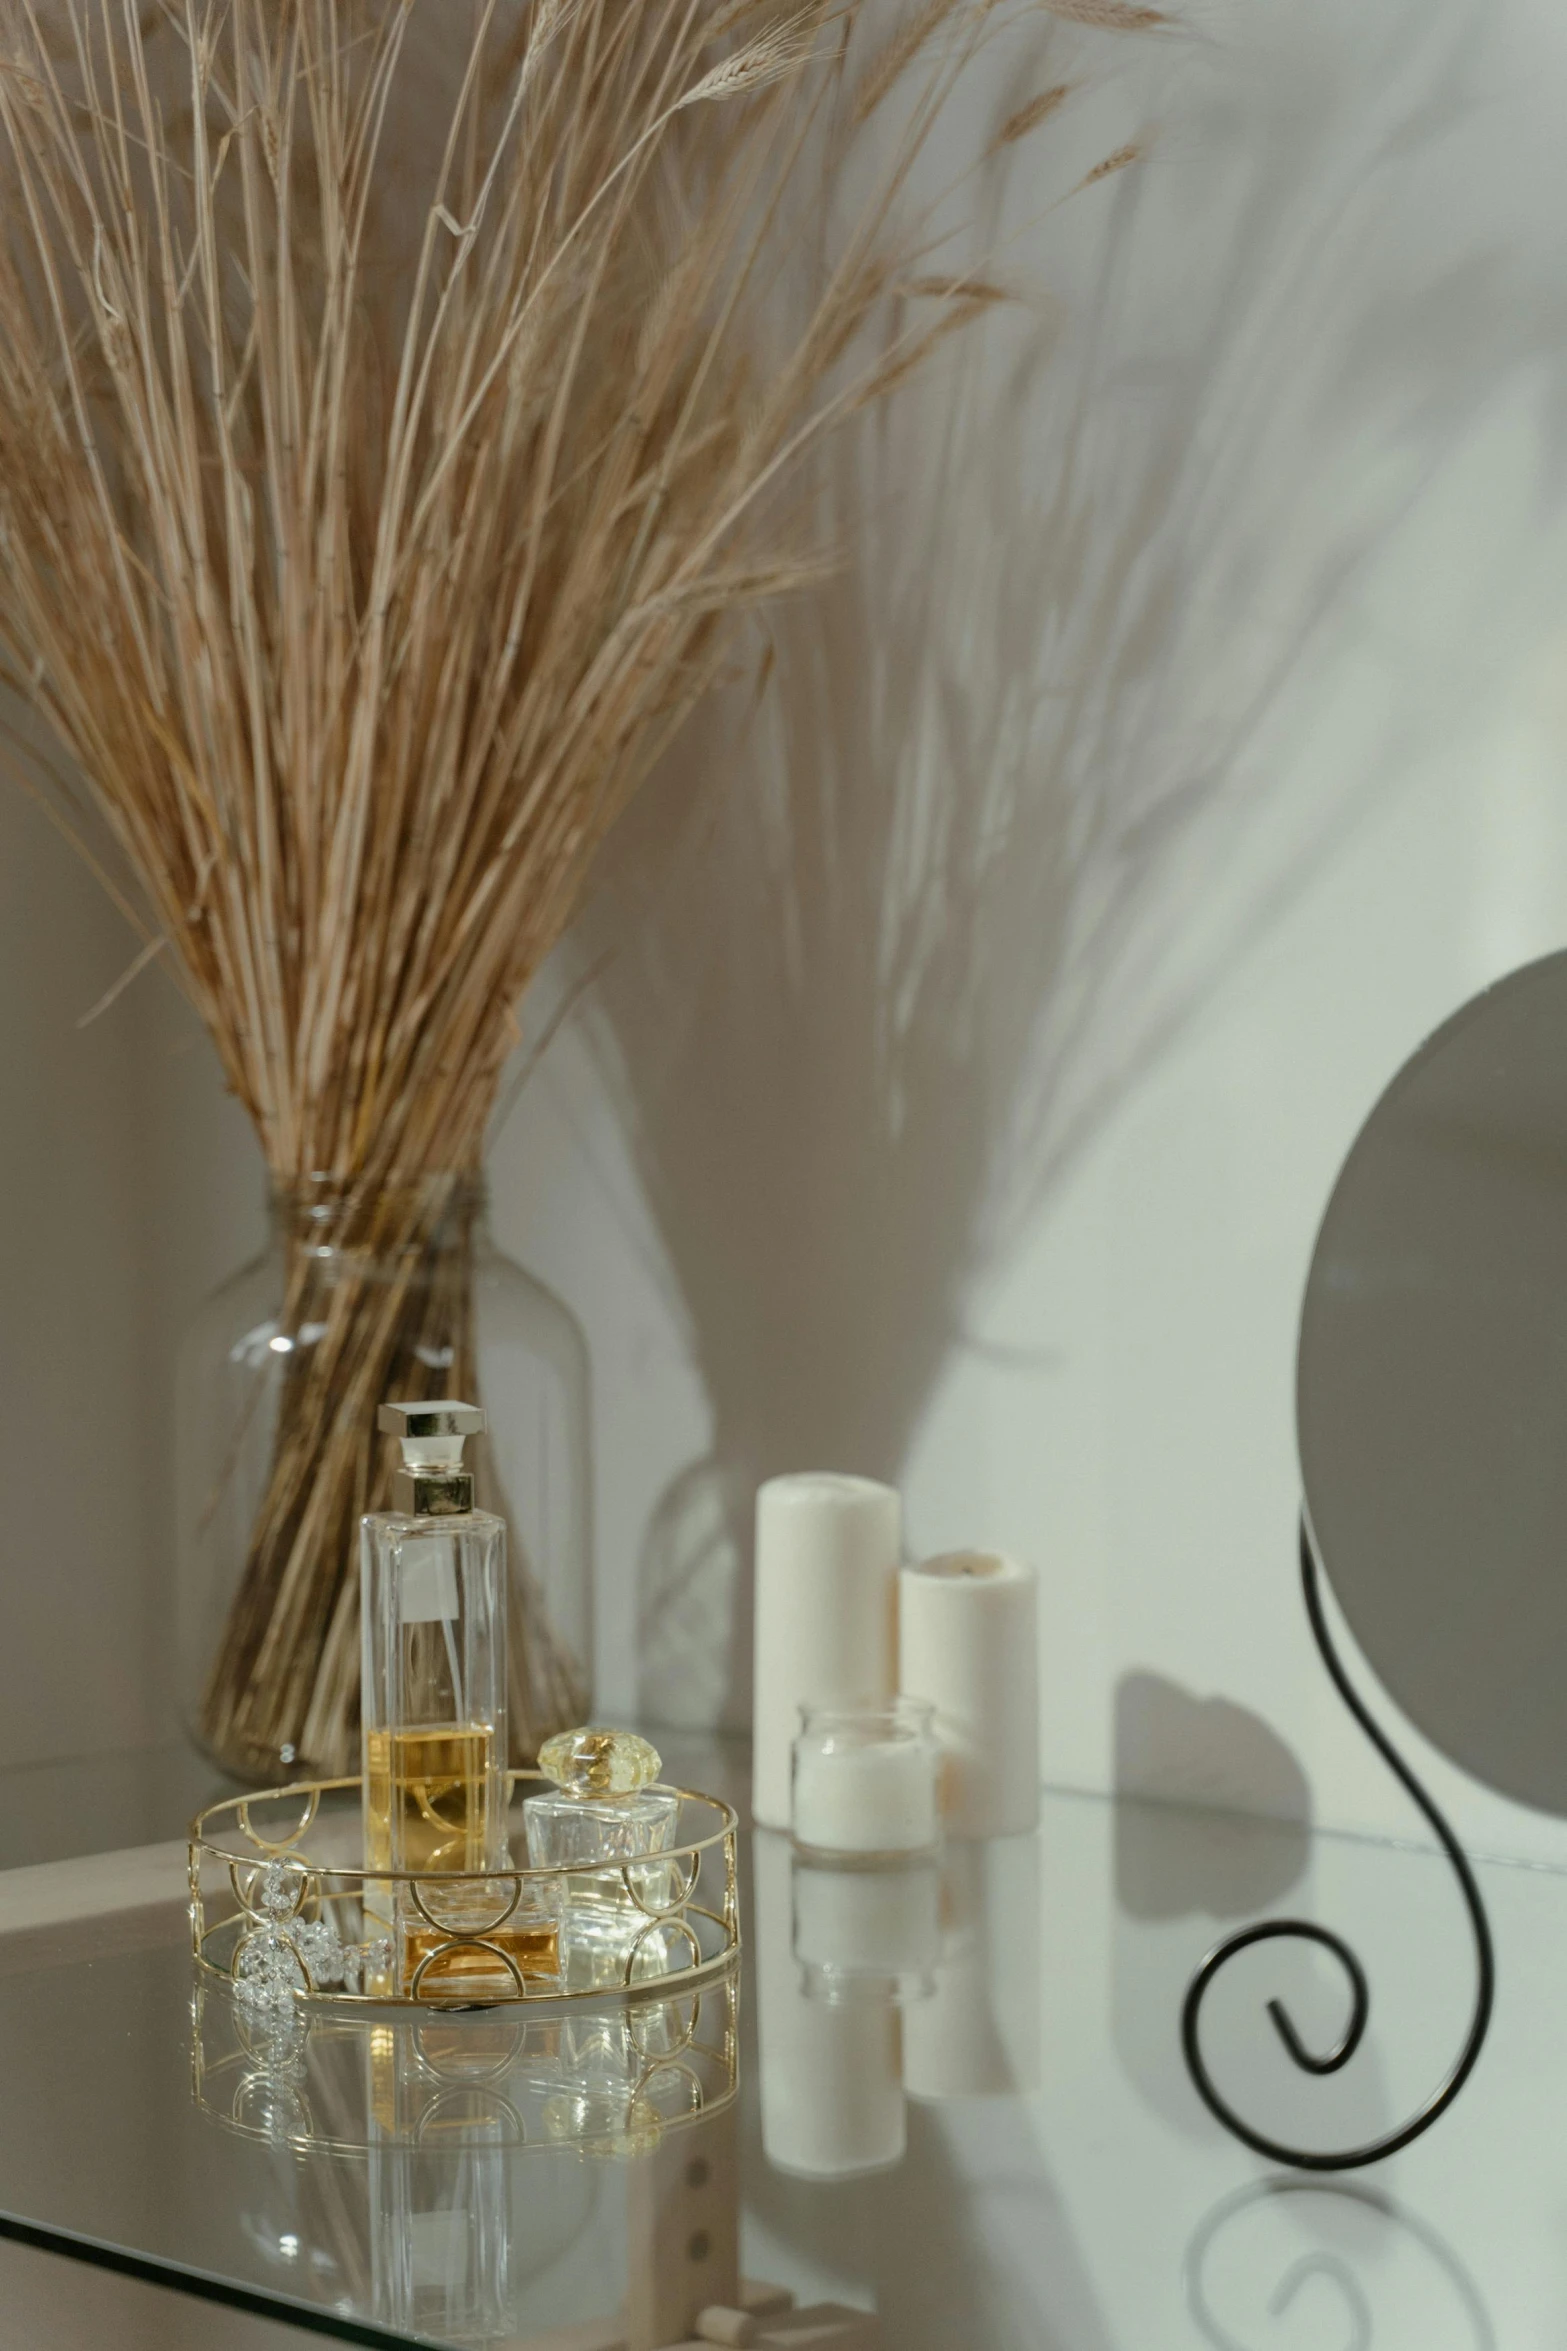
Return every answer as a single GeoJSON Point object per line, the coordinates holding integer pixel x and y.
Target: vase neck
{"type": "Point", "coordinates": [381, 1219]}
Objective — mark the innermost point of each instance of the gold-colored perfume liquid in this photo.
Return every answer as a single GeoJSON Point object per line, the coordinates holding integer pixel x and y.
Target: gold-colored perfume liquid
{"type": "Point", "coordinates": [427, 1807]}
{"type": "Point", "coordinates": [463, 1971]}
{"type": "Point", "coordinates": [427, 1797]}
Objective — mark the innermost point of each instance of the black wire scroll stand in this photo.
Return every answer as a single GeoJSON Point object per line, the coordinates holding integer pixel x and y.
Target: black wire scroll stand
{"type": "Point", "coordinates": [1305, 1930]}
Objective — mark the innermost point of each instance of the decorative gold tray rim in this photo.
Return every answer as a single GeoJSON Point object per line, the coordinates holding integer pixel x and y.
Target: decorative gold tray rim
{"type": "Point", "coordinates": [345, 1876]}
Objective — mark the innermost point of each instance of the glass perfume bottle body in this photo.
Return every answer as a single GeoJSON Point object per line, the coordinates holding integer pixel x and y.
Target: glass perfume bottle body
{"type": "Point", "coordinates": [433, 1694]}
{"type": "Point", "coordinates": [433, 1715]}
{"type": "Point", "coordinates": [433, 1708]}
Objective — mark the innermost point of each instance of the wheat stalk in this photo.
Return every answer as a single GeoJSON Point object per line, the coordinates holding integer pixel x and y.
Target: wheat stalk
{"type": "Point", "coordinates": [393, 429]}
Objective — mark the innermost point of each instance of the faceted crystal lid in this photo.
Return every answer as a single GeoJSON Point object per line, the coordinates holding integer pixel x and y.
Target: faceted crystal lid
{"type": "Point", "coordinates": [599, 1763]}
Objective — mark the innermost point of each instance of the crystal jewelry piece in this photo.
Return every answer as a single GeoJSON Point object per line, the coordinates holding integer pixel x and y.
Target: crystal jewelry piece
{"type": "Point", "coordinates": [268, 1972]}
{"type": "Point", "coordinates": [368, 1964]}
{"type": "Point", "coordinates": [599, 1763]}
{"type": "Point", "coordinates": [292, 1954]}
{"type": "Point", "coordinates": [328, 1959]}
{"type": "Point", "coordinates": [277, 2041]}
{"type": "Point", "coordinates": [281, 1891]}
{"type": "Point", "coordinates": [321, 1952]}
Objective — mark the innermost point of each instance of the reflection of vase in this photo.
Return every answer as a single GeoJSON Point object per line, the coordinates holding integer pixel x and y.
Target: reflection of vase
{"type": "Point", "coordinates": [363, 1296]}
{"type": "Point", "coordinates": [694, 1620]}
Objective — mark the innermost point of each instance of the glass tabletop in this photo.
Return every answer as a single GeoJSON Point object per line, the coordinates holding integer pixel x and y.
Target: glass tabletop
{"type": "Point", "coordinates": [942, 2106]}
{"type": "Point", "coordinates": [88, 1804]}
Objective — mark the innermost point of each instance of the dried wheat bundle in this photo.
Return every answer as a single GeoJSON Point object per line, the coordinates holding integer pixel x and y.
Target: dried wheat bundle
{"type": "Point", "coordinates": [393, 427]}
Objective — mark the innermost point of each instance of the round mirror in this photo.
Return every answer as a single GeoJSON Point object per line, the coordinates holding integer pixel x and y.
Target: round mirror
{"type": "Point", "coordinates": [1432, 1387]}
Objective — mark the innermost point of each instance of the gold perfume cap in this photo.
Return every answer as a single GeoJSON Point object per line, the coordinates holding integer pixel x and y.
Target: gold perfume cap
{"type": "Point", "coordinates": [432, 1482]}
{"type": "Point", "coordinates": [599, 1763]}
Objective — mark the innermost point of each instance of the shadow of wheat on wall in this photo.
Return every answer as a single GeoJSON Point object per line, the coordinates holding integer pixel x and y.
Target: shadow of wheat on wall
{"type": "Point", "coordinates": [966, 877]}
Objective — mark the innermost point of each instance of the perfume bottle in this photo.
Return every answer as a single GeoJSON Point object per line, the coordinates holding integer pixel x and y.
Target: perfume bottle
{"type": "Point", "coordinates": [433, 1600]}
{"type": "Point", "coordinates": [603, 1821]}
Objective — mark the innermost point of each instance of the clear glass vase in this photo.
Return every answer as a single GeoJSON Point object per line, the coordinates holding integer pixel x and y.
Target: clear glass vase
{"type": "Point", "coordinates": [361, 1297]}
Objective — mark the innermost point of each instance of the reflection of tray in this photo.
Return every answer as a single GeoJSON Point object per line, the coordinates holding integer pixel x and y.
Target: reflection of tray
{"type": "Point", "coordinates": [610, 2079]}
{"type": "Point", "coordinates": [259, 1899]}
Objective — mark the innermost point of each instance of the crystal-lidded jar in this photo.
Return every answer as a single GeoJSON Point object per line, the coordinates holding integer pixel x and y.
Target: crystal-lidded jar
{"type": "Point", "coordinates": [606, 1824]}
{"type": "Point", "coordinates": [615, 1926]}
{"type": "Point", "coordinates": [566, 1831]}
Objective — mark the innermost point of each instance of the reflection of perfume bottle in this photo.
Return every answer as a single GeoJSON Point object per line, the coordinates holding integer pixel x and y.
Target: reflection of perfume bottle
{"type": "Point", "coordinates": [604, 1819]}
{"type": "Point", "coordinates": [433, 1707]}
{"type": "Point", "coordinates": [440, 2233]}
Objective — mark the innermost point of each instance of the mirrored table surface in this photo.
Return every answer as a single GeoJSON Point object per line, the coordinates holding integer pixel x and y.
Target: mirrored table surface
{"type": "Point", "coordinates": [958, 2115]}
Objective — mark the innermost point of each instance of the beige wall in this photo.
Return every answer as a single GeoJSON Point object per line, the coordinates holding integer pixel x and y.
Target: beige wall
{"type": "Point", "coordinates": [127, 1187]}
{"type": "Point", "coordinates": [76, 1664]}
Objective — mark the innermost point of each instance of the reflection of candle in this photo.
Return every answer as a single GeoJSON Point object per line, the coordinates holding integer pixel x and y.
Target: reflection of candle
{"type": "Point", "coordinates": [826, 1604]}
{"type": "Point", "coordinates": [967, 1641]}
{"type": "Point", "coordinates": [865, 1779]}
{"type": "Point", "coordinates": [832, 2097]}
{"type": "Point", "coordinates": [854, 1924]}
{"type": "Point", "coordinates": [979, 2034]}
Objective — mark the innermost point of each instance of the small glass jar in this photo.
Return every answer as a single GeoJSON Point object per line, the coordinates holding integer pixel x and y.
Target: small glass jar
{"type": "Point", "coordinates": [864, 1779]}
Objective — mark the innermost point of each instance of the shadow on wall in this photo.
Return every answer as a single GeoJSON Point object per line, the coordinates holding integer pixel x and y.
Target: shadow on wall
{"type": "Point", "coordinates": [892, 977]}
{"type": "Point", "coordinates": [1212, 1823]}
{"type": "Point", "coordinates": [1172, 1748]}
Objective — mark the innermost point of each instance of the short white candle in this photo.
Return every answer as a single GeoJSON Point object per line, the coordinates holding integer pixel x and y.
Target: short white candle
{"type": "Point", "coordinates": [968, 1641]}
{"type": "Point", "coordinates": [865, 1780]}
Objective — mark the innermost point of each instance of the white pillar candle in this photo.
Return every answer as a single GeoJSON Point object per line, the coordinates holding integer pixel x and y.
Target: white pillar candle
{"type": "Point", "coordinates": [968, 1642]}
{"type": "Point", "coordinates": [831, 2080]}
{"type": "Point", "coordinates": [865, 1779]}
{"type": "Point", "coordinates": [826, 1611]}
